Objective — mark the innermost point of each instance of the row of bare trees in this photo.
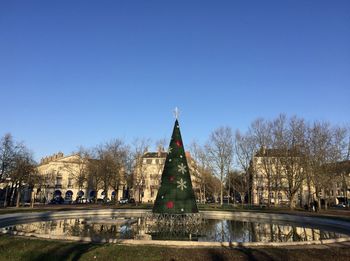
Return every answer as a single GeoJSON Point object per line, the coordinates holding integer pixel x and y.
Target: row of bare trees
{"type": "Point", "coordinates": [292, 152]}
{"type": "Point", "coordinates": [101, 167]}
{"type": "Point", "coordinates": [112, 165]}
{"type": "Point", "coordinates": [302, 153]}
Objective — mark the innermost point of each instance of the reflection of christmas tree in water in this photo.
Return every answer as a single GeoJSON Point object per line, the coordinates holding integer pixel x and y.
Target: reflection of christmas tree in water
{"type": "Point", "coordinates": [175, 195]}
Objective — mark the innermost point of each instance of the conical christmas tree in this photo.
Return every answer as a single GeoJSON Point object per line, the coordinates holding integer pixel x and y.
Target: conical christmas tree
{"type": "Point", "coordinates": [175, 195]}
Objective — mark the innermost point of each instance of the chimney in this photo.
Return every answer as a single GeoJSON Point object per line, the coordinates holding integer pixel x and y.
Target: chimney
{"type": "Point", "coordinates": [160, 150]}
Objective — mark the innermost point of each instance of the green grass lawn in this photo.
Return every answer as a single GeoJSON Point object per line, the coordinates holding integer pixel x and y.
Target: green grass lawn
{"type": "Point", "coordinates": [19, 248]}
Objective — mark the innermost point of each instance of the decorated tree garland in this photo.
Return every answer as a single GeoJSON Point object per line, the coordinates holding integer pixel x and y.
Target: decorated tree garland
{"type": "Point", "coordinates": [175, 195]}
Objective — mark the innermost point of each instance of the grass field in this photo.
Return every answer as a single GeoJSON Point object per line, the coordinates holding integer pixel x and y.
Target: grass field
{"type": "Point", "coordinates": [17, 248]}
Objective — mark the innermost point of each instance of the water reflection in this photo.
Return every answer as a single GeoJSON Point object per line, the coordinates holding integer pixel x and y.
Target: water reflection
{"type": "Point", "coordinates": [244, 231]}
{"type": "Point", "coordinates": [78, 228]}
{"type": "Point", "coordinates": [212, 230]}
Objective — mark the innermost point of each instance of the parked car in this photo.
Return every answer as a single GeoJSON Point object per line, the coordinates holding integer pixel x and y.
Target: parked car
{"type": "Point", "coordinates": [57, 200]}
{"type": "Point", "coordinates": [123, 201]}
{"type": "Point", "coordinates": [81, 200]}
{"type": "Point", "coordinates": [227, 199]}
{"type": "Point", "coordinates": [340, 205]}
{"type": "Point", "coordinates": [210, 200]}
{"type": "Point", "coordinates": [68, 201]}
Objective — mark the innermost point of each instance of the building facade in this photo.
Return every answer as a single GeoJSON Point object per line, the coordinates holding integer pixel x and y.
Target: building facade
{"type": "Point", "coordinates": [66, 177]}
{"type": "Point", "coordinates": [272, 172]}
{"type": "Point", "coordinates": [338, 191]}
{"type": "Point", "coordinates": [269, 175]}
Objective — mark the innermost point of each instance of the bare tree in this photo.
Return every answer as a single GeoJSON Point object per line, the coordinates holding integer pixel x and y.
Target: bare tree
{"type": "Point", "coordinates": [201, 158]}
{"type": "Point", "coordinates": [119, 153]}
{"type": "Point", "coordinates": [261, 132]}
{"type": "Point", "coordinates": [24, 172]}
{"type": "Point", "coordinates": [108, 165]}
{"type": "Point", "coordinates": [95, 174]}
{"type": "Point", "coordinates": [293, 158]}
{"type": "Point", "coordinates": [137, 166]}
{"type": "Point", "coordinates": [79, 169]}
{"type": "Point", "coordinates": [245, 148]}
{"type": "Point", "coordinates": [240, 186]}
{"type": "Point", "coordinates": [17, 168]}
{"type": "Point", "coordinates": [326, 145]}
{"type": "Point", "coordinates": [8, 150]}
{"type": "Point", "coordinates": [220, 153]}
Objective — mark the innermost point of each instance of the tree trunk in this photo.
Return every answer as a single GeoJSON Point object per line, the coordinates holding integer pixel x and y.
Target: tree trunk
{"type": "Point", "coordinates": [12, 195]}
{"type": "Point", "coordinates": [18, 197]}
{"type": "Point", "coordinates": [309, 193]}
{"type": "Point", "coordinates": [291, 201]}
{"type": "Point", "coordinates": [222, 193]}
{"type": "Point", "coordinates": [32, 199]}
{"type": "Point", "coordinates": [268, 191]}
{"type": "Point", "coordinates": [275, 197]}
{"type": "Point", "coordinates": [205, 199]}
{"type": "Point", "coordinates": [319, 204]}
{"type": "Point", "coordinates": [6, 196]}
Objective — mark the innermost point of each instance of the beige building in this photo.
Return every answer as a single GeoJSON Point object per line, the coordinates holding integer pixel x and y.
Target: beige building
{"type": "Point", "coordinates": [65, 176]}
{"type": "Point", "coordinates": [148, 175]}
{"type": "Point", "coordinates": [339, 190]}
{"type": "Point", "coordinates": [269, 170]}
{"type": "Point", "coordinates": [270, 176]}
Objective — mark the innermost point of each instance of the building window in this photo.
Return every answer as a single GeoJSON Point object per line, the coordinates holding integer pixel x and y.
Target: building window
{"type": "Point", "coordinates": [279, 196]}
{"type": "Point", "coordinates": [70, 182]}
{"type": "Point", "coordinates": [58, 182]}
{"type": "Point", "coordinates": [332, 193]}
{"type": "Point", "coordinates": [149, 161]}
{"type": "Point", "coordinates": [157, 161]}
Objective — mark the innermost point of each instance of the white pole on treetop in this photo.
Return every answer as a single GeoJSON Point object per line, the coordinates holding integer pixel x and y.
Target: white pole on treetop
{"type": "Point", "coordinates": [176, 113]}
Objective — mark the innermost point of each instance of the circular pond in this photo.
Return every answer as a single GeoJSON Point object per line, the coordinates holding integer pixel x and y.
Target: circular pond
{"type": "Point", "coordinates": [219, 227]}
{"type": "Point", "coordinates": [212, 230]}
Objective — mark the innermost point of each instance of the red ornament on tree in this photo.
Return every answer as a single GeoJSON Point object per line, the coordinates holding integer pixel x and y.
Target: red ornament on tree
{"type": "Point", "coordinates": [171, 178]}
{"type": "Point", "coordinates": [170, 204]}
{"type": "Point", "coordinates": [178, 143]}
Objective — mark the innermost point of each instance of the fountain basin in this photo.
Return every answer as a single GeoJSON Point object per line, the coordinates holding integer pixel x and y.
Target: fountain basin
{"type": "Point", "coordinates": [222, 229]}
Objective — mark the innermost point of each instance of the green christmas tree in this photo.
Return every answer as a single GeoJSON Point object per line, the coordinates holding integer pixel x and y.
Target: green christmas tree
{"type": "Point", "coordinates": [175, 195]}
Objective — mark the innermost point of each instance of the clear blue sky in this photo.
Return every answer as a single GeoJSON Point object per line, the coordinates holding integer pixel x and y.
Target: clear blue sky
{"type": "Point", "coordinates": [83, 72]}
